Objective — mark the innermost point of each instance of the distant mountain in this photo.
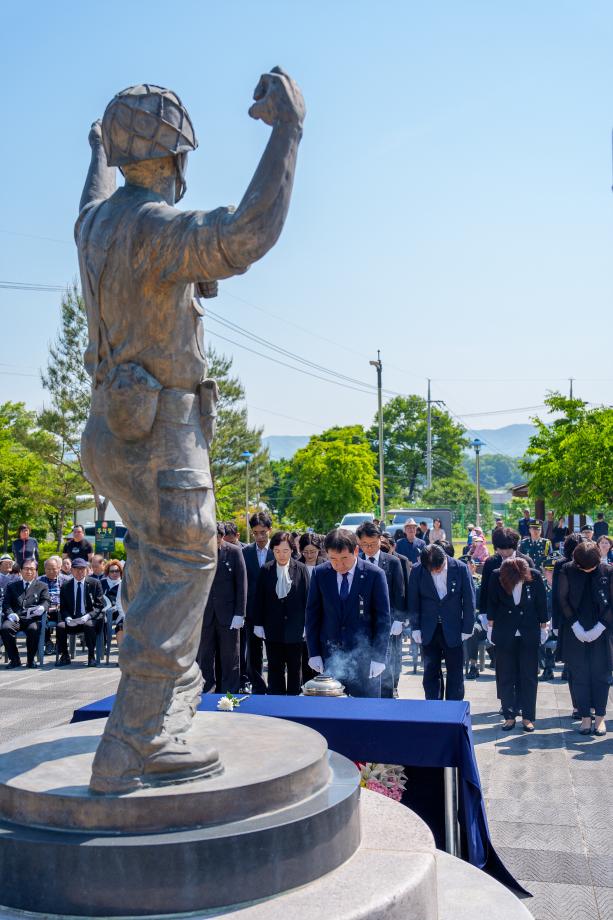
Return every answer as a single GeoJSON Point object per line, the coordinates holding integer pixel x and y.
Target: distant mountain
{"type": "Point", "coordinates": [284, 448]}
{"type": "Point", "coordinates": [511, 440]}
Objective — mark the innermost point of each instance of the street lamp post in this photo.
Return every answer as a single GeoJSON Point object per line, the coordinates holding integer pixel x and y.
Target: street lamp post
{"type": "Point", "coordinates": [379, 366]}
{"type": "Point", "coordinates": [477, 444]}
{"type": "Point", "coordinates": [247, 457]}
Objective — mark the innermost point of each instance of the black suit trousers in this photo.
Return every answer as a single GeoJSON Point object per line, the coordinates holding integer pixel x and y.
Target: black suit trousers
{"type": "Point", "coordinates": [284, 658]}
{"type": "Point", "coordinates": [9, 637]}
{"type": "Point", "coordinates": [517, 667]}
{"type": "Point", "coordinates": [90, 631]}
{"type": "Point", "coordinates": [434, 653]}
{"type": "Point", "coordinates": [255, 661]}
{"type": "Point", "coordinates": [219, 658]}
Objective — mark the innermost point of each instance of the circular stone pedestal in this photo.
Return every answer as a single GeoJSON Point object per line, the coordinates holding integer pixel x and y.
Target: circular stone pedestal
{"type": "Point", "coordinates": [285, 811]}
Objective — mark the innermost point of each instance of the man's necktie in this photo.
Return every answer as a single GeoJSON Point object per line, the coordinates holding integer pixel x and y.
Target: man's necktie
{"type": "Point", "coordinates": [371, 559]}
{"type": "Point", "coordinates": [345, 587]}
{"type": "Point", "coordinates": [78, 601]}
{"type": "Point", "coordinates": [26, 585]}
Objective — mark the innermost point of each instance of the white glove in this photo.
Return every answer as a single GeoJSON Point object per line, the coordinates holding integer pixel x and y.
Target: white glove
{"type": "Point", "coordinates": [595, 632]}
{"type": "Point", "coordinates": [579, 631]}
{"type": "Point", "coordinates": [69, 621]}
{"type": "Point", "coordinates": [237, 622]}
{"type": "Point", "coordinates": [555, 632]}
{"type": "Point", "coordinates": [259, 632]}
{"type": "Point", "coordinates": [396, 628]}
{"type": "Point", "coordinates": [376, 668]}
{"type": "Point", "coordinates": [544, 634]}
{"type": "Point", "coordinates": [317, 664]}
{"type": "Point", "coordinates": [35, 611]}
{"type": "Point", "coordinates": [86, 618]}
{"type": "Point", "coordinates": [416, 636]}
{"type": "Point", "coordinates": [490, 630]}
{"type": "Point", "coordinates": [483, 620]}
{"type": "Point", "coordinates": [304, 633]}
{"type": "Point", "coordinates": [466, 636]}
{"type": "Point", "coordinates": [13, 618]}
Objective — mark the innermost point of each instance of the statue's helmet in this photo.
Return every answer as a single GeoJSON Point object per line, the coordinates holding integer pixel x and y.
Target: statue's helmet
{"type": "Point", "coordinates": [146, 122]}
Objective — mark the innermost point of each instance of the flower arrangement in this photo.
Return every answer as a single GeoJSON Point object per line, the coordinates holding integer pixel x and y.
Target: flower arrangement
{"type": "Point", "coordinates": [387, 779]}
{"type": "Point", "coordinates": [229, 702]}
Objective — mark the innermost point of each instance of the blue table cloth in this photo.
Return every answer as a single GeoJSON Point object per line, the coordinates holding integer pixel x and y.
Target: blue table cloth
{"type": "Point", "coordinates": [416, 733]}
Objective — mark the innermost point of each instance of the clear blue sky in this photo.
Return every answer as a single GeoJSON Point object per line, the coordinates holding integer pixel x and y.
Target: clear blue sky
{"type": "Point", "coordinates": [452, 203]}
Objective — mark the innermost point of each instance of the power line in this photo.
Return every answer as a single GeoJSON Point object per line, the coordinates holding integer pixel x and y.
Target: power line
{"type": "Point", "coordinates": [32, 236]}
{"type": "Point", "coordinates": [32, 286]}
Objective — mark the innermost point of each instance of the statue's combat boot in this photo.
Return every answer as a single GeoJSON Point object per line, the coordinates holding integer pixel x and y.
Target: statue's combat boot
{"type": "Point", "coordinates": [137, 749]}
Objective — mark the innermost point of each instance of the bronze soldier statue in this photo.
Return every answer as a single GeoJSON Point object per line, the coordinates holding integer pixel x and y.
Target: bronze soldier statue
{"type": "Point", "coordinates": [153, 409]}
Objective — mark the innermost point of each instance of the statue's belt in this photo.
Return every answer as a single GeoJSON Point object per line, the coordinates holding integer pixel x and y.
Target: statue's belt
{"type": "Point", "coordinates": [174, 405]}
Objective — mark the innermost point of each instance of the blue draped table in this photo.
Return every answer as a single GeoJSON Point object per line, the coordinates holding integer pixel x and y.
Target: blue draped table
{"type": "Point", "coordinates": [422, 734]}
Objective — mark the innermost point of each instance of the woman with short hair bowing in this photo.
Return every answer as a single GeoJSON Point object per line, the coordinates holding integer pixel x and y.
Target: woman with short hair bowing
{"type": "Point", "coordinates": [279, 614]}
{"type": "Point", "coordinates": [517, 625]}
{"type": "Point", "coordinates": [586, 604]}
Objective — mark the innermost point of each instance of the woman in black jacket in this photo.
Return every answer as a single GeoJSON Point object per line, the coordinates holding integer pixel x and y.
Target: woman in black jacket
{"type": "Point", "coordinates": [517, 621]}
{"type": "Point", "coordinates": [586, 605]}
{"type": "Point", "coordinates": [279, 612]}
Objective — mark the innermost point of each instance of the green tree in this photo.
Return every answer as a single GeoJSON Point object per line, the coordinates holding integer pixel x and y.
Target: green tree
{"type": "Point", "coordinates": [405, 442]}
{"type": "Point", "coordinates": [234, 436]}
{"type": "Point", "coordinates": [23, 491]}
{"type": "Point", "coordinates": [278, 494]}
{"type": "Point", "coordinates": [569, 461]}
{"type": "Point", "coordinates": [496, 471]}
{"type": "Point", "coordinates": [69, 387]}
{"type": "Point", "coordinates": [459, 493]}
{"type": "Point", "coordinates": [333, 475]}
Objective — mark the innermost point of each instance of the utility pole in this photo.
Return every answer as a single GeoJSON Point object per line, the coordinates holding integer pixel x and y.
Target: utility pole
{"type": "Point", "coordinates": [247, 455]}
{"type": "Point", "coordinates": [429, 442]}
{"type": "Point", "coordinates": [477, 445]}
{"type": "Point", "coordinates": [379, 366]}
{"type": "Point", "coordinates": [571, 381]}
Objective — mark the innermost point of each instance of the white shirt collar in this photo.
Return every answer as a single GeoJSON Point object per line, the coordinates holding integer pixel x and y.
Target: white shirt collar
{"type": "Point", "coordinates": [350, 574]}
{"type": "Point", "coordinates": [375, 556]}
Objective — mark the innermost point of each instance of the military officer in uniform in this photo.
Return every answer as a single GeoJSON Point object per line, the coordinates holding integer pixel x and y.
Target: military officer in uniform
{"type": "Point", "coordinates": [535, 546]}
{"type": "Point", "coordinates": [153, 410]}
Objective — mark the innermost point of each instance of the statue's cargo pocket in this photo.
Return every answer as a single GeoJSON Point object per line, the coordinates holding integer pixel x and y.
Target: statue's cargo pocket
{"type": "Point", "coordinates": [187, 510]}
{"type": "Point", "coordinates": [131, 398]}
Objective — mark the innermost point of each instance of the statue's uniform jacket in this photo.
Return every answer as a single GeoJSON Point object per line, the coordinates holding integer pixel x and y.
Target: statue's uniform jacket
{"type": "Point", "coordinates": [139, 258]}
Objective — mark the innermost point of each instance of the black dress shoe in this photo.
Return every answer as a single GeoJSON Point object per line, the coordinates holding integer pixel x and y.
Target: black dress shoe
{"type": "Point", "coordinates": [63, 661]}
{"type": "Point", "coordinates": [473, 673]}
{"type": "Point", "coordinates": [12, 665]}
{"type": "Point", "coordinates": [92, 663]}
{"type": "Point", "coordinates": [547, 674]}
{"type": "Point", "coordinates": [32, 664]}
{"type": "Point", "coordinates": [50, 648]}
{"type": "Point", "coordinates": [509, 725]}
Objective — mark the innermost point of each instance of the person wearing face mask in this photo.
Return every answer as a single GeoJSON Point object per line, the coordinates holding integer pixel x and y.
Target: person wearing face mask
{"type": "Point", "coordinates": [517, 625]}
{"type": "Point", "coordinates": [279, 615]}
{"type": "Point", "coordinates": [586, 600]}
{"type": "Point", "coordinates": [111, 588]}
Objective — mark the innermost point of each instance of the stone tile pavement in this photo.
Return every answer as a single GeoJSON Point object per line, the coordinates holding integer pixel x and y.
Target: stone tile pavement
{"type": "Point", "coordinates": [549, 795]}
{"type": "Point", "coordinates": [549, 800]}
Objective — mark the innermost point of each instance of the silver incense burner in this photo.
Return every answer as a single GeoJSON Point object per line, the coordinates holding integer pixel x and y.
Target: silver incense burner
{"type": "Point", "coordinates": [323, 685]}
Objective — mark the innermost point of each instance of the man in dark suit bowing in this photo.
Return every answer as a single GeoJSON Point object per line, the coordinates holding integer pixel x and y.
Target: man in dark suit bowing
{"type": "Point", "coordinates": [224, 617]}
{"type": "Point", "coordinates": [369, 538]}
{"type": "Point", "coordinates": [81, 606]}
{"type": "Point", "coordinates": [25, 600]}
{"type": "Point", "coordinates": [348, 617]}
{"type": "Point", "coordinates": [442, 613]}
{"type": "Point", "coordinates": [256, 555]}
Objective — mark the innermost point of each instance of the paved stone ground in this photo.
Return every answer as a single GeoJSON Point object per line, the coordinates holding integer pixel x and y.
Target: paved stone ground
{"type": "Point", "coordinates": [549, 795]}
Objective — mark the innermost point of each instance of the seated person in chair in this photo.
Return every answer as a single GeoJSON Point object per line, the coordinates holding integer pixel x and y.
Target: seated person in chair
{"type": "Point", "coordinates": [81, 606]}
{"type": "Point", "coordinates": [25, 600]}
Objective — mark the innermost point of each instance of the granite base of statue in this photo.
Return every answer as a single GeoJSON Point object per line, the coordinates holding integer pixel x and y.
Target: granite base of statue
{"type": "Point", "coordinates": [283, 831]}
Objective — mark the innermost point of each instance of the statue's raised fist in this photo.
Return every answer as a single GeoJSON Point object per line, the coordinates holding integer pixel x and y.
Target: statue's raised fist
{"type": "Point", "coordinates": [278, 99]}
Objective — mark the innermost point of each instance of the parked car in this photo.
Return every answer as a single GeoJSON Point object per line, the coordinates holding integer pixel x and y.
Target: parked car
{"type": "Point", "coordinates": [352, 521]}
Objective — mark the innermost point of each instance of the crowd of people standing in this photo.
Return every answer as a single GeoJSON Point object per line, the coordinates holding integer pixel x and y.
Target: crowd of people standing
{"type": "Point", "coordinates": [343, 603]}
